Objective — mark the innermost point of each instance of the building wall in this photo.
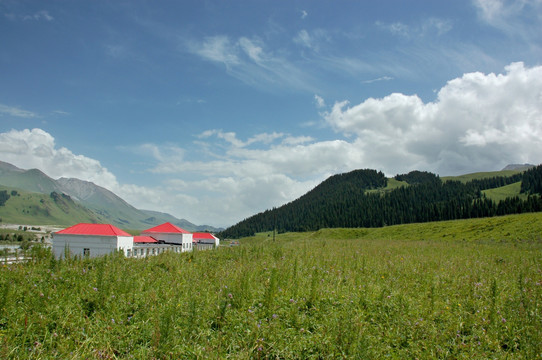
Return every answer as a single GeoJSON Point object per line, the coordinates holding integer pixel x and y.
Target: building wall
{"type": "Point", "coordinates": [91, 245]}
{"type": "Point", "coordinates": [175, 238]}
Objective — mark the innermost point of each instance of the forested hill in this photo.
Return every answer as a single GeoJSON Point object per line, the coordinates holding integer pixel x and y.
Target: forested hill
{"type": "Point", "coordinates": [362, 198]}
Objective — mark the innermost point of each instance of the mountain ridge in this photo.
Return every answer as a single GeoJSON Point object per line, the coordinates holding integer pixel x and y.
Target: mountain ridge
{"type": "Point", "coordinates": [105, 205]}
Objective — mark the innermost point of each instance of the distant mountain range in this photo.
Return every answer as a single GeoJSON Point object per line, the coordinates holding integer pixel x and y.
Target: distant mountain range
{"type": "Point", "coordinates": [65, 201]}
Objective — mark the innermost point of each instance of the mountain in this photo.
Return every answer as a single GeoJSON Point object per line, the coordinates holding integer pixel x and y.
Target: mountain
{"type": "Point", "coordinates": [520, 167]}
{"type": "Point", "coordinates": [32, 208]}
{"type": "Point", "coordinates": [366, 198]}
{"type": "Point", "coordinates": [101, 204]}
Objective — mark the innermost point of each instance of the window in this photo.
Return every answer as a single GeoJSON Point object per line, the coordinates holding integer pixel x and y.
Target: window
{"type": "Point", "coordinates": [86, 252]}
{"type": "Point", "coordinates": [128, 253]}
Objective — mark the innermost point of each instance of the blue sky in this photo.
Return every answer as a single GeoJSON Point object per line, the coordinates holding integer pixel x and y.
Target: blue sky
{"type": "Point", "coordinates": [215, 110]}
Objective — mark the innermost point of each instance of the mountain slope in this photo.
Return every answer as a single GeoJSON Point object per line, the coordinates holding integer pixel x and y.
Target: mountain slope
{"type": "Point", "coordinates": [364, 198]}
{"type": "Point", "coordinates": [101, 204]}
{"type": "Point", "coordinates": [38, 209]}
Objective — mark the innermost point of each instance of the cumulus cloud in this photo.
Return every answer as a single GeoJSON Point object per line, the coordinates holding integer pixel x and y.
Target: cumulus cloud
{"type": "Point", "coordinates": [478, 122]}
{"type": "Point", "coordinates": [36, 148]}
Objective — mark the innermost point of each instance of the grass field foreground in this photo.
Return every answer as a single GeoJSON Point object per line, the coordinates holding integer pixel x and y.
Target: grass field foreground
{"type": "Point", "coordinates": [459, 289]}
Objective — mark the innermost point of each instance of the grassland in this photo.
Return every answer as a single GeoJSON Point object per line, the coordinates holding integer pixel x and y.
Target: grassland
{"type": "Point", "coordinates": [457, 289]}
{"type": "Point", "coordinates": [38, 209]}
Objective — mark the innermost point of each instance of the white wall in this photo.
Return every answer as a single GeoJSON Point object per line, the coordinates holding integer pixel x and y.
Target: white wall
{"type": "Point", "coordinates": [97, 245]}
{"type": "Point", "coordinates": [175, 238]}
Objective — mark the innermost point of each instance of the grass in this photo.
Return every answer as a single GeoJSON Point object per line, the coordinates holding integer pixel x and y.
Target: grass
{"type": "Point", "coordinates": [481, 175]}
{"type": "Point", "coordinates": [457, 289]}
{"type": "Point", "coordinates": [38, 209]}
{"type": "Point", "coordinates": [503, 192]}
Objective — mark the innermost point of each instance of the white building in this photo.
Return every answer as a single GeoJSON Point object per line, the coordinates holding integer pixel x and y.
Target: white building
{"type": "Point", "coordinates": [204, 240]}
{"type": "Point", "coordinates": [92, 240]}
{"type": "Point", "coordinates": [170, 234]}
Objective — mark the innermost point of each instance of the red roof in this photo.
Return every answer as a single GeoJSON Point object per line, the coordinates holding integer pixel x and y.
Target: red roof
{"type": "Point", "coordinates": [202, 235]}
{"type": "Point", "coordinates": [166, 228]}
{"type": "Point", "coordinates": [94, 229]}
{"type": "Point", "coordinates": [144, 239]}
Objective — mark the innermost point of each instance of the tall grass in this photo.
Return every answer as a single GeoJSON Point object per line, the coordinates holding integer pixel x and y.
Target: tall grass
{"type": "Point", "coordinates": [329, 294]}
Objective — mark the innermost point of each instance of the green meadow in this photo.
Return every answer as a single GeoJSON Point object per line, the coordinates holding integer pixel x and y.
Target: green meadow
{"type": "Point", "coordinates": [457, 289]}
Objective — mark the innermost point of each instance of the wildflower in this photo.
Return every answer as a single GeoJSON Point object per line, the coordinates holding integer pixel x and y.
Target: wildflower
{"type": "Point", "coordinates": [95, 289]}
{"type": "Point", "coordinates": [275, 316]}
{"type": "Point", "coordinates": [503, 320]}
{"type": "Point", "coordinates": [250, 311]}
{"type": "Point", "coordinates": [230, 295]}
{"type": "Point", "coordinates": [260, 348]}
{"type": "Point", "coordinates": [292, 301]}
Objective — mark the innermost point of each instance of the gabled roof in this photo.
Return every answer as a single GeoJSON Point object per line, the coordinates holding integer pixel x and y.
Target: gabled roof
{"type": "Point", "coordinates": [144, 239]}
{"type": "Point", "coordinates": [202, 235]}
{"type": "Point", "coordinates": [166, 228]}
{"type": "Point", "coordinates": [94, 229]}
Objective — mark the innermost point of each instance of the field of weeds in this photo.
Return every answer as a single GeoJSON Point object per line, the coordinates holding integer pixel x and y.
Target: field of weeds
{"type": "Point", "coordinates": [349, 293]}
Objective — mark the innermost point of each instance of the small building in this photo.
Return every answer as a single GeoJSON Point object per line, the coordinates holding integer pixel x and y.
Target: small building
{"type": "Point", "coordinates": [148, 246]}
{"type": "Point", "coordinates": [205, 240]}
{"type": "Point", "coordinates": [170, 234]}
{"type": "Point", "coordinates": [92, 240]}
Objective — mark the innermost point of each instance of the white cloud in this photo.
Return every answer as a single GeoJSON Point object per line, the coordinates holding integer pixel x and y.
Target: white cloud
{"type": "Point", "coordinates": [36, 148]}
{"type": "Point", "coordinates": [16, 112]}
{"type": "Point", "coordinates": [430, 26]}
{"type": "Point", "coordinates": [303, 38]}
{"type": "Point", "coordinates": [249, 61]}
{"type": "Point", "coordinates": [40, 15]}
{"type": "Point", "coordinates": [478, 122]}
{"type": "Point", "coordinates": [216, 48]}
{"type": "Point", "coordinates": [320, 103]}
{"type": "Point", "coordinates": [518, 19]}
{"type": "Point", "coordinates": [382, 78]}
{"type": "Point", "coordinates": [304, 14]}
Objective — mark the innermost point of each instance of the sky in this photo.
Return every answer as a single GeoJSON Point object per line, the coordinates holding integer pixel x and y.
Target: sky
{"type": "Point", "coordinates": [216, 110]}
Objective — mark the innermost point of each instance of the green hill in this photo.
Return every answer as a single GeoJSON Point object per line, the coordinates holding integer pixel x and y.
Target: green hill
{"type": "Point", "coordinates": [24, 207]}
{"type": "Point", "coordinates": [365, 198]}
{"type": "Point", "coordinates": [100, 204]}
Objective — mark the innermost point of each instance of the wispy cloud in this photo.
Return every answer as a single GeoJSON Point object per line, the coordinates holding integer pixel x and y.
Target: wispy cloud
{"type": "Point", "coordinates": [248, 60]}
{"type": "Point", "coordinates": [40, 15]}
{"type": "Point", "coordinates": [426, 27]}
{"type": "Point", "coordinates": [518, 19]}
{"type": "Point", "coordinates": [382, 78]}
{"type": "Point", "coordinates": [16, 112]}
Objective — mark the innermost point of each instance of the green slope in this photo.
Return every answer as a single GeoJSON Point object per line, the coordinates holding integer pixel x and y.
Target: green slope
{"type": "Point", "coordinates": [40, 209]}
{"type": "Point", "coordinates": [481, 175]}
{"type": "Point", "coordinates": [522, 227]}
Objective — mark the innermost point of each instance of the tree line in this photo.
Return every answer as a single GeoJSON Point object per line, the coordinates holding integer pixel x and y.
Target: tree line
{"type": "Point", "coordinates": [355, 199]}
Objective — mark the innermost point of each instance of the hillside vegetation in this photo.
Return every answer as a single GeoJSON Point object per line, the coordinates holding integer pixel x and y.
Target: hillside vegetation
{"type": "Point", "coordinates": [102, 205]}
{"type": "Point", "coordinates": [459, 289]}
{"type": "Point", "coordinates": [23, 207]}
{"type": "Point", "coordinates": [366, 198]}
